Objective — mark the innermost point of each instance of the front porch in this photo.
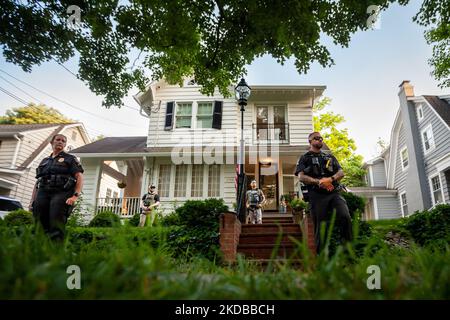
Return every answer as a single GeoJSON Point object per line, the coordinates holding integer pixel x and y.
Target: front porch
{"type": "Point", "coordinates": [116, 181]}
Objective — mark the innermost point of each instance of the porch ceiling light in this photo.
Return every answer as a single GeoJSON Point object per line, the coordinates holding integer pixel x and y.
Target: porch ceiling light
{"type": "Point", "coordinates": [242, 92]}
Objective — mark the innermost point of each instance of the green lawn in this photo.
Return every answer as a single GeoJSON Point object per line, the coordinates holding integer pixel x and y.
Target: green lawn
{"type": "Point", "coordinates": [131, 263]}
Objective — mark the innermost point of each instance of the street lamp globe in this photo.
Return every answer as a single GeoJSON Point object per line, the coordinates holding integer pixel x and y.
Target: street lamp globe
{"type": "Point", "coordinates": [242, 92]}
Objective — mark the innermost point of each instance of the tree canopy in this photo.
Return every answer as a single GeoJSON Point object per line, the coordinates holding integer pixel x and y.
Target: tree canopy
{"type": "Point", "coordinates": [33, 114]}
{"type": "Point", "coordinates": [119, 43]}
{"type": "Point", "coordinates": [436, 14]}
{"type": "Point", "coordinates": [338, 140]}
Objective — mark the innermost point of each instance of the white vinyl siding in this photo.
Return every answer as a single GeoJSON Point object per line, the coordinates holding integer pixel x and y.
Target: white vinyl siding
{"type": "Point", "coordinates": [427, 139]}
{"type": "Point", "coordinates": [388, 207]}
{"type": "Point", "coordinates": [378, 175]}
{"type": "Point", "coordinates": [299, 116]}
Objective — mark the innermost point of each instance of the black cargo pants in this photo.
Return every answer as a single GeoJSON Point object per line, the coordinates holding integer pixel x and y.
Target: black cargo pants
{"type": "Point", "coordinates": [322, 206]}
{"type": "Point", "coordinates": [51, 211]}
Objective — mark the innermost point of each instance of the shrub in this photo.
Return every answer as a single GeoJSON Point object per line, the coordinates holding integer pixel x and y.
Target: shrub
{"type": "Point", "coordinates": [201, 213]}
{"type": "Point", "coordinates": [354, 202]}
{"type": "Point", "coordinates": [19, 217]}
{"type": "Point", "coordinates": [134, 220]}
{"type": "Point", "coordinates": [76, 217]}
{"type": "Point", "coordinates": [2, 222]}
{"type": "Point", "coordinates": [171, 219]}
{"type": "Point", "coordinates": [195, 228]}
{"type": "Point", "coordinates": [430, 227]}
{"type": "Point", "coordinates": [105, 219]}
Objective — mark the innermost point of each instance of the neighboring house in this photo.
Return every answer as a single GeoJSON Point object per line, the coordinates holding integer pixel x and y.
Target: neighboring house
{"type": "Point", "coordinates": [22, 148]}
{"type": "Point", "coordinates": [191, 149]}
{"type": "Point", "coordinates": [414, 172]}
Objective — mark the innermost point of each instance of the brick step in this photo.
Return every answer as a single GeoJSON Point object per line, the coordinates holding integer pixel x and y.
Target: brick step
{"type": "Point", "coordinates": [276, 262]}
{"type": "Point", "coordinates": [269, 237]}
{"type": "Point", "coordinates": [264, 251]}
{"type": "Point", "coordinates": [277, 220]}
{"type": "Point", "coordinates": [270, 227]}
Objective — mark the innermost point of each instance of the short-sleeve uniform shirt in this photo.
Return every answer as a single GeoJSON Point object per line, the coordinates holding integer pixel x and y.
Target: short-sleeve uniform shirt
{"type": "Point", "coordinates": [62, 164]}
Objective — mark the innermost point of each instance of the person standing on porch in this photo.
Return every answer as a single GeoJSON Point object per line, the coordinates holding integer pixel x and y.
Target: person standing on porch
{"type": "Point", "coordinates": [149, 203]}
{"type": "Point", "coordinates": [255, 199]}
{"type": "Point", "coordinates": [321, 173]}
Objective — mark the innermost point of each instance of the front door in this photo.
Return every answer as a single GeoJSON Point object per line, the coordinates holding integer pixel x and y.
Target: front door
{"type": "Point", "coordinates": [268, 183]}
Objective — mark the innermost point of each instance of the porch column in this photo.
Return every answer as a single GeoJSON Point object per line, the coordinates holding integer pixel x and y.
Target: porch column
{"type": "Point", "coordinates": [92, 175]}
{"type": "Point", "coordinates": [145, 178]}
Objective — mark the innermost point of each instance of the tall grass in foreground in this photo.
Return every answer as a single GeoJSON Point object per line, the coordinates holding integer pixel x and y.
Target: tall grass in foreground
{"type": "Point", "coordinates": [122, 263]}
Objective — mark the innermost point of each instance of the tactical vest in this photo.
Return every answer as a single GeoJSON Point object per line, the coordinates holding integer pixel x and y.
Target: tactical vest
{"type": "Point", "coordinates": [320, 165]}
{"type": "Point", "coordinates": [149, 199]}
{"type": "Point", "coordinates": [254, 197]}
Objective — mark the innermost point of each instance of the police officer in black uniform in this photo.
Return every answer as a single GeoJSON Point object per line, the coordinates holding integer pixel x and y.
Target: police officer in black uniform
{"type": "Point", "coordinates": [59, 182]}
{"type": "Point", "coordinates": [321, 174]}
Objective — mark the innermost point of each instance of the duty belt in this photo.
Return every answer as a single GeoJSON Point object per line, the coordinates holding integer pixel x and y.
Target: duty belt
{"type": "Point", "coordinates": [55, 181]}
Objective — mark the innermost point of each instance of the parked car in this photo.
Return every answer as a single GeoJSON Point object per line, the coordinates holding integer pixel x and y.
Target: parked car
{"type": "Point", "coordinates": [7, 205]}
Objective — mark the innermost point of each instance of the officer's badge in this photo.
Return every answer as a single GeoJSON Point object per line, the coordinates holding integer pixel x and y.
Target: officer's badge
{"type": "Point", "coordinates": [61, 160]}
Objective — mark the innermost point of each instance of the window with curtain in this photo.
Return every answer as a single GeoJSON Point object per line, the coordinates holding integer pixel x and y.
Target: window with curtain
{"type": "Point", "coordinates": [214, 180]}
{"type": "Point", "coordinates": [164, 180]}
{"type": "Point", "coordinates": [184, 115]}
{"type": "Point", "coordinates": [204, 114]}
{"type": "Point", "coordinates": [180, 181]}
{"type": "Point", "coordinates": [197, 180]}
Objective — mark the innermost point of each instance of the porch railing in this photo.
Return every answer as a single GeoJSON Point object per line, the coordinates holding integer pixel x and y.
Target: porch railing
{"type": "Point", "coordinates": [125, 207]}
{"type": "Point", "coordinates": [270, 132]}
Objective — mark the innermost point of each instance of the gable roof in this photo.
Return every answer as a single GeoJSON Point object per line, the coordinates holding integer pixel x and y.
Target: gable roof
{"type": "Point", "coordinates": [9, 130]}
{"type": "Point", "coordinates": [114, 145]}
{"type": "Point", "coordinates": [441, 106]}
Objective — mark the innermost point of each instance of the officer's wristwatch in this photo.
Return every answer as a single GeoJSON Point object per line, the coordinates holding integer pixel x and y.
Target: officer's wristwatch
{"type": "Point", "coordinates": [76, 194]}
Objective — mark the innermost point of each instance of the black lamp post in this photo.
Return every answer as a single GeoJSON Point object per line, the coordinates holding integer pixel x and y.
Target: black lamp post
{"type": "Point", "coordinates": [242, 92]}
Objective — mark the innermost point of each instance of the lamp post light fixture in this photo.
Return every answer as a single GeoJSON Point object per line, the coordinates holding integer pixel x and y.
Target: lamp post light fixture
{"type": "Point", "coordinates": [242, 92]}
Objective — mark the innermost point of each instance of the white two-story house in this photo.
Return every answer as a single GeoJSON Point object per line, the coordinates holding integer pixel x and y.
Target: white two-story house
{"type": "Point", "coordinates": [191, 149]}
{"type": "Point", "coordinates": [413, 173]}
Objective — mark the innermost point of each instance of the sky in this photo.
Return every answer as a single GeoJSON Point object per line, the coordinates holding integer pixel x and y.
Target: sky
{"type": "Point", "coordinates": [362, 84]}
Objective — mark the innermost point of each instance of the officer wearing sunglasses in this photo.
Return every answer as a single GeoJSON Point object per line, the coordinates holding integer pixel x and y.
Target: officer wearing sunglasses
{"type": "Point", "coordinates": [321, 173]}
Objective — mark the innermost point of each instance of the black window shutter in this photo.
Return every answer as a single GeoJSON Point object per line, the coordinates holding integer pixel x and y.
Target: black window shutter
{"type": "Point", "coordinates": [169, 115]}
{"type": "Point", "coordinates": [217, 115]}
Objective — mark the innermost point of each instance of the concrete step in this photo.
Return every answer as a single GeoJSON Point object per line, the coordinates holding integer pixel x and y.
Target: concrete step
{"type": "Point", "coordinates": [265, 251]}
{"type": "Point", "coordinates": [270, 228]}
{"type": "Point", "coordinates": [269, 237]}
